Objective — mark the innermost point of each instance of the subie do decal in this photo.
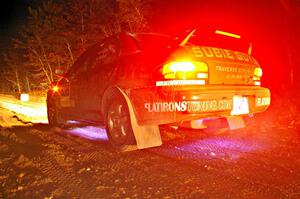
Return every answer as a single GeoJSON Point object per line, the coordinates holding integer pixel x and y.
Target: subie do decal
{"type": "Point", "coordinates": [223, 53]}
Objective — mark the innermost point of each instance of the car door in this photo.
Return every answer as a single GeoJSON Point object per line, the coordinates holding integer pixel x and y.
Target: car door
{"type": "Point", "coordinates": [101, 74]}
{"type": "Point", "coordinates": [77, 78]}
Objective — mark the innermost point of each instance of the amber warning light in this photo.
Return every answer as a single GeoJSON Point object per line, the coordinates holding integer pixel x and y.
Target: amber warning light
{"type": "Point", "coordinates": [257, 75]}
{"type": "Point", "coordinates": [185, 70]}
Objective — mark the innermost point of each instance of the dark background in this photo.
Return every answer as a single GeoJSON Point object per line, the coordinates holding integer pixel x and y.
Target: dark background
{"type": "Point", "coordinates": [272, 26]}
{"type": "Point", "coordinates": [12, 14]}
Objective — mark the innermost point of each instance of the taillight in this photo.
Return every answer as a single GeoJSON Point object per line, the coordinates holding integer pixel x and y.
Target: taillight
{"type": "Point", "coordinates": [258, 72]}
{"type": "Point", "coordinates": [55, 88]}
{"type": "Point", "coordinates": [185, 70]}
{"type": "Point", "coordinates": [257, 75]}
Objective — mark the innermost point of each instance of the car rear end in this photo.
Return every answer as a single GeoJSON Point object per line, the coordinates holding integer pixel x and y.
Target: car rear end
{"type": "Point", "coordinates": [201, 80]}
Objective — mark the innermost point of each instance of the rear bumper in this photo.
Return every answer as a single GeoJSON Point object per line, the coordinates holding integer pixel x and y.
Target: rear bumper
{"type": "Point", "coordinates": [165, 105]}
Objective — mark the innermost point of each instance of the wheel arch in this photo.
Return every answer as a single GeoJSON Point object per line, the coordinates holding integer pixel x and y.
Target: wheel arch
{"type": "Point", "coordinates": [107, 96]}
{"type": "Point", "coordinates": [147, 135]}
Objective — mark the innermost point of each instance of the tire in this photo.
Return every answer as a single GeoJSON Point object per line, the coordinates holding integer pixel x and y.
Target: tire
{"type": "Point", "coordinates": [118, 123]}
{"type": "Point", "coordinates": [54, 118]}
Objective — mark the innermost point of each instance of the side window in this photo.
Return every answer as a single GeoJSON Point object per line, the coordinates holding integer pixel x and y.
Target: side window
{"type": "Point", "coordinates": [128, 44]}
{"type": "Point", "coordinates": [100, 58]}
{"type": "Point", "coordinates": [105, 55]}
{"type": "Point", "coordinates": [80, 66]}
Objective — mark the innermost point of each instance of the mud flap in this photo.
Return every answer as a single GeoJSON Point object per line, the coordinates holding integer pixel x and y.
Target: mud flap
{"type": "Point", "coordinates": [235, 122]}
{"type": "Point", "coordinates": [147, 135]}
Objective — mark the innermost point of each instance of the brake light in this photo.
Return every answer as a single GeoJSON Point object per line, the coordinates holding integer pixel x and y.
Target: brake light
{"type": "Point", "coordinates": [55, 88]}
{"type": "Point", "coordinates": [258, 72]}
{"type": "Point", "coordinates": [185, 70]}
{"type": "Point", "coordinates": [257, 75]}
{"type": "Point", "coordinates": [182, 66]}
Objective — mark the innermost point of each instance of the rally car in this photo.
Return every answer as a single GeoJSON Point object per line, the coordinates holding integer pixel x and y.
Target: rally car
{"type": "Point", "coordinates": [135, 82]}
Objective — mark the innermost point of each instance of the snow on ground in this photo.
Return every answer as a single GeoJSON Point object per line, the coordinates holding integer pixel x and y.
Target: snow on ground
{"type": "Point", "coordinates": [34, 110]}
{"type": "Point", "coordinates": [8, 119]}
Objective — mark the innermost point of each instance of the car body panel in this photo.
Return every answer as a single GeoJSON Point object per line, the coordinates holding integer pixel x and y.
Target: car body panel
{"type": "Point", "coordinates": [156, 105]}
{"type": "Point", "coordinates": [123, 61]}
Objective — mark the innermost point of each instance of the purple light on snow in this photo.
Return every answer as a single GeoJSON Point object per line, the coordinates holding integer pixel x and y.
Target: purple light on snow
{"type": "Point", "coordinates": [229, 144]}
{"type": "Point", "coordinates": [73, 122]}
{"type": "Point", "coordinates": [89, 132]}
{"type": "Point", "coordinates": [228, 149]}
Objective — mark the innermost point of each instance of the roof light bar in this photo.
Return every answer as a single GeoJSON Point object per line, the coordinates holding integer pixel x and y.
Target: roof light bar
{"type": "Point", "coordinates": [220, 32]}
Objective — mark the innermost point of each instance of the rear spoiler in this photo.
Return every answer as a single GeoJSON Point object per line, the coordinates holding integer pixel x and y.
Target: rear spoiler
{"type": "Point", "coordinates": [186, 39]}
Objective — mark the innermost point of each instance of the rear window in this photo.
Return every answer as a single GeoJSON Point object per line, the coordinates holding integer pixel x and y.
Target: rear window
{"type": "Point", "coordinates": [155, 41]}
{"type": "Point", "coordinates": [213, 39]}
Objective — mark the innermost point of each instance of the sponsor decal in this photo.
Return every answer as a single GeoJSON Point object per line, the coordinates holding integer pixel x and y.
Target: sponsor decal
{"type": "Point", "coordinates": [233, 76]}
{"type": "Point", "coordinates": [232, 69]}
{"type": "Point", "coordinates": [263, 101]}
{"type": "Point", "coordinates": [211, 52]}
{"type": "Point", "coordinates": [190, 106]}
{"type": "Point", "coordinates": [180, 82]}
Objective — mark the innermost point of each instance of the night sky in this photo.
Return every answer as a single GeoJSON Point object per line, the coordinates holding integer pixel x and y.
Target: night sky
{"type": "Point", "coordinates": [12, 14]}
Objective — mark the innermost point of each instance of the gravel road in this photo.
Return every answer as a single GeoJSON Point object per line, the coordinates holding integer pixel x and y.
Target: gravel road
{"type": "Point", "coordinates": [260, 161]}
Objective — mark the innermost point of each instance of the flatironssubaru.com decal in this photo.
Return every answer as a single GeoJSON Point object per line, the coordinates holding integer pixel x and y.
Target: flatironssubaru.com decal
{"type": "Point", "coordinates": [190, 106]}
{"type": "Point", "coordinates": [198, 106]}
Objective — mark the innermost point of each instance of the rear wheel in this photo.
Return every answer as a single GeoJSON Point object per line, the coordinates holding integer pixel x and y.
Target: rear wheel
{"type": "Point", "coordinates": [54, 118]}
{"type": "Point", "coordinates": [118, 124]}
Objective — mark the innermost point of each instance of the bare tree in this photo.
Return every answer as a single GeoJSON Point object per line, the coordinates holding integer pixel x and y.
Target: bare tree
{"type": "Point", "coordinates": [55, 34]}
{"type": "Point", "coordinates": [12, 72]}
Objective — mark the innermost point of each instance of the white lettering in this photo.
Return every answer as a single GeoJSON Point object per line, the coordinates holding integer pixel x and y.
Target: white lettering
{"type": "Point", "coordinates": [190, 106]}
{"type": "Point", "coordinates": [263, 101]}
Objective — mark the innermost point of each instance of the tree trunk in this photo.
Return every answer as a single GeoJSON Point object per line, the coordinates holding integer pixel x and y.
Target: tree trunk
{"type": "Point", "coordinates": [28, 84]}
{"type": "Point", "coordinates": [70, 51]}
{"type": "Point", "coordinates": [18, 81]}
{"type": "Point", "coordinates": [42, 66]}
